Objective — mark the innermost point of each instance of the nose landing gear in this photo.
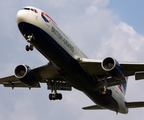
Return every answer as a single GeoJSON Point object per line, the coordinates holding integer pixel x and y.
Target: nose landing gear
{"type": "Point", "coordinates": [29, 47]}
{"type": "Point", "coordinates": [29, 38]}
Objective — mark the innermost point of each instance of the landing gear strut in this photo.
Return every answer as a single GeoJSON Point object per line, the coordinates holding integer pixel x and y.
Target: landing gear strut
{"type": "Point", "coordinates": [105, 92]}
{"type": "Point", "coordinates": [29, 38]}
{"type": "Point", "coordinates": [55, 96]}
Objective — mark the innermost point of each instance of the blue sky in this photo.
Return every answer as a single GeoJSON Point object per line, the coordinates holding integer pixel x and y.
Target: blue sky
{"type": "Point", "coordinates": [129, 11]}
{"type": "Point", "coordinates": [101, 28]}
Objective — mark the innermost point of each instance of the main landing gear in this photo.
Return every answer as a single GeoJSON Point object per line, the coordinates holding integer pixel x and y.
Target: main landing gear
{"type": "Point", "coordinates": [105, 92]}
{"type": "Point", "coordinates": [103, 88]}
{"type": "Point", "coordinates": [29, 38]}
{"type": "Point", "coordinates": [55, 95]}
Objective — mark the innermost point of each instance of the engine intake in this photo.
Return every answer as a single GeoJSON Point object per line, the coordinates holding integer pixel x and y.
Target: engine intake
{"type": "Point", "coordinates": [25, 75]}
{"type": "Point", "coordinates": [113, 68]}
{"type": "Point", "coordinates": [108, 64]}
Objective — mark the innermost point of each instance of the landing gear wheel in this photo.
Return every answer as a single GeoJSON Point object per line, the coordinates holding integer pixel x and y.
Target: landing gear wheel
{"type": "Point", "coordinates": [60, 96]}
{"type": "Point", "coordinates": [29, 47]}
{"type": "Point", "coordinates": [57, 96]}
{"type": "Point", "coordinates": [50, 96]}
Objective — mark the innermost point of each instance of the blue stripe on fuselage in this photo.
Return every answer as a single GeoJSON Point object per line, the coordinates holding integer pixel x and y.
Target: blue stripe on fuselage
{"type": "Point", "coordinates": [124, 86]}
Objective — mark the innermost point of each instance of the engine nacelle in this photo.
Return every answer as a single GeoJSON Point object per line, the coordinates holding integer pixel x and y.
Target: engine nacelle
{"type": "Point", "coordinates": [113, 68]}
{"type": "Point", "coordinates": [25, 75]}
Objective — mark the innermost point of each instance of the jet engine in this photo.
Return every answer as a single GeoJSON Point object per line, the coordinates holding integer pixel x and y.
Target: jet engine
{"type": "Point", "coordinates": [113, 68]}
{"type": "Point", "coordinates": [24, 74]}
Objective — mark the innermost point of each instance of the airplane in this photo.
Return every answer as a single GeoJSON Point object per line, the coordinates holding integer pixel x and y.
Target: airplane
{"type": "Point", "coordinates": [103, 81]}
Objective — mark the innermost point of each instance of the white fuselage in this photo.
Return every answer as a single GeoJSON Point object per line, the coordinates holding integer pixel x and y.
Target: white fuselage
{"type": "Point", "coordinates": [62, 51]}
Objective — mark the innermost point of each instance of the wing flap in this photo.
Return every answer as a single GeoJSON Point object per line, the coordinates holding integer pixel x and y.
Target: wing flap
{"type": "Point", "coordinates": [139, 75]}
{"type": "Point", "coordinates": [61, 85]}
{"type": "Point", "coordinates": [134, 104]}
{"type": "Point", "coordinates": [18, 84]}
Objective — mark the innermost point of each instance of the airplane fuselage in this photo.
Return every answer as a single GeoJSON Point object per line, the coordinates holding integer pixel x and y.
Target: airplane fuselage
{"type": "Point", "coordinates": [61, 51]}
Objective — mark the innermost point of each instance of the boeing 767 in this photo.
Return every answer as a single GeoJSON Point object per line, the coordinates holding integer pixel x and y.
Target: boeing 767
{"type": "Point", "coordinates": [103, 81]}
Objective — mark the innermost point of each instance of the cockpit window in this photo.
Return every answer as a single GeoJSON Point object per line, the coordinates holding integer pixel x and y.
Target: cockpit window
{"type": "Point", "coordinates": [26, 8]}
{"type": "Point", "coordinates": [34, 10]}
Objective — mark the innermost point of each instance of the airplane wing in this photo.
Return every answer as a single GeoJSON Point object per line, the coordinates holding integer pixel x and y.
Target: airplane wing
{"type": "Point", "coordinates": [94, 68]}
{"type": "Point", "coordinates": [45, 74]}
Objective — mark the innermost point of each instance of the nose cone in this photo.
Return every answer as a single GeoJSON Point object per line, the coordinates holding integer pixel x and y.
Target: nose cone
{"type": "Point", "coordinates": [22, 16]}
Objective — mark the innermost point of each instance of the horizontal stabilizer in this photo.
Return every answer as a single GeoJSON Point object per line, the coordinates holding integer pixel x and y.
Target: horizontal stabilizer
{"type": "Point", "coordinates": [134, 104]}
{"type": "Point", "coordinates": [93, 107]}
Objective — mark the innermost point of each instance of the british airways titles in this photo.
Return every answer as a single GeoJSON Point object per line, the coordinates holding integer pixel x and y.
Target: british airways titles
{"type": "Point", "coordinates": [57, 33]}
{"type": "Point", "coordinates": [63, 39]}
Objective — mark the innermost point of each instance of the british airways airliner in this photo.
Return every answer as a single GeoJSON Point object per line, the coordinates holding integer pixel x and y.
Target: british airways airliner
{"type": "Point", "coordinates": [103, 81]}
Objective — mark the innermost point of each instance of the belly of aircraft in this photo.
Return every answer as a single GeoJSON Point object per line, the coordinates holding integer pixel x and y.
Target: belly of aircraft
{"type": "Point", "coordinates": [73, 73]}
{"type": "Point", "coordinates": [105, 101]}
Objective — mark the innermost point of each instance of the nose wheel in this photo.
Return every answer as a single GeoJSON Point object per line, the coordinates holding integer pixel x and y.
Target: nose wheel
{"type": "Point", "coordinates": [29, 38]}
{"type": "Point", "coordinates": [29, 47]}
